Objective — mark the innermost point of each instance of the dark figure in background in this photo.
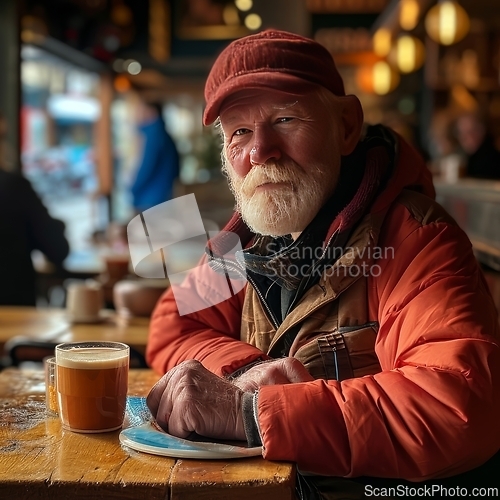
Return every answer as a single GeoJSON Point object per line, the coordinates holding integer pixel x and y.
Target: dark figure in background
{"type": "Point", "coordinates": [483, 159]}
{"type": "Point", "coordinates": [25, 225]}
{"type": "Point", "coordinates": [159, 165]}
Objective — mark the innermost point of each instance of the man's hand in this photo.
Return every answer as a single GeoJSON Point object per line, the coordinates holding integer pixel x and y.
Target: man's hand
{"type": "Point", "coordinates": [190, 398]}
{"type": "Point", "coordinates": [279, 371]}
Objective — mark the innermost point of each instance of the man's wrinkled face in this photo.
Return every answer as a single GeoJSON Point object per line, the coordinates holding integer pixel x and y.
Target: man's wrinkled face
{"type": "Point", "coordinates": [282, 156]}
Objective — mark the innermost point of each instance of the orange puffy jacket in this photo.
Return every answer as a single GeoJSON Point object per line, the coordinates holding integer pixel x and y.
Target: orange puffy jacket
{"type": "Point", "coordinates": [433, 409]}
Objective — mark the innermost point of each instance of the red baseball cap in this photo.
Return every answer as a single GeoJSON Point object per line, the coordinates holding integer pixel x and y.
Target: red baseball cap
{"type": "Point", "coordinates": [269, 59]}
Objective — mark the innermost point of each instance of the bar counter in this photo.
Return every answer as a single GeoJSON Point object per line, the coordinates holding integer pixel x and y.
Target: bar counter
{"type": "Point", "coordinates": [475, 205]}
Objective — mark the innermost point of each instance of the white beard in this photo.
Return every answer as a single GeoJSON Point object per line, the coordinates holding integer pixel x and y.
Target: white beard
{"type": "Point", "coordinates": [284, 210]}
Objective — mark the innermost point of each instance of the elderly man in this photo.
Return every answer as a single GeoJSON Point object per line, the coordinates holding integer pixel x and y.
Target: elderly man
{"type": "Point", "coordinates": [365, 342]}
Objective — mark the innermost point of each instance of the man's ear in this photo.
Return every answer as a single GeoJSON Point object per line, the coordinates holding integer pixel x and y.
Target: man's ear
{"type": "Point", "coordinates": [352, 119]}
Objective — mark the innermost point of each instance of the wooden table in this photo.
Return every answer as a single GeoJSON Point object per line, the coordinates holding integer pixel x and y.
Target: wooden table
{"type": "Point", "coordinates": [40, 460]}
{"type": "Point", "coordinates": [51, 325]}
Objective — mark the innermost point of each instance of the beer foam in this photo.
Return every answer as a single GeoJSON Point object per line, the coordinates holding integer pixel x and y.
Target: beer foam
{"type": "Point", "coordinates": [92, 358]}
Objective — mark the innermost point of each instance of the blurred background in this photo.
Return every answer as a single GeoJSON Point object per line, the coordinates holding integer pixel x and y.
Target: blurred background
{"type": "Point", "coordinates": [76, 74]}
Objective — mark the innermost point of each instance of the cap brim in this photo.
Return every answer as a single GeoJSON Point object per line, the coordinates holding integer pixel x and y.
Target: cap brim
{"type": "Point", "coordinates": [276, 80]}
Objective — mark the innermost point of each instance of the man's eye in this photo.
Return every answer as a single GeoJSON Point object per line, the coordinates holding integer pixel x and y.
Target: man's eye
{"type": "Point", "coordinates": [284, 119]}
{"type": "Point", "coordinates": [241, 131]}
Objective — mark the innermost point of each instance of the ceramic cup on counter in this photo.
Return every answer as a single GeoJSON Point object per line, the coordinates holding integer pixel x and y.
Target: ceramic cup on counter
{"type": "Point", "coordinates": [84, 301]}
{"type": "Point", "coordinates": [134, 298]}
{"type": "Point", "coordinates": [92, 384]}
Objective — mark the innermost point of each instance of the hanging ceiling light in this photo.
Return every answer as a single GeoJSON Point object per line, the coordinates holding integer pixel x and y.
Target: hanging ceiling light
{"type": "Point", "coordinates": [253, 21]}
{"type": "Point", "coordinates": [409, 53]}
{"type": "Point", "coordinates": [244, 5]}
{"type": "Point", "coordinates": [385, 79]}
{"type": "Point", "coordinates": [409, 11]}
{"type": "Point", "coordinates": [447, 22]}
{"type": "Point", "coordinates": [382, 40]}
{"type": "Point", "coordinates": [380, 78]}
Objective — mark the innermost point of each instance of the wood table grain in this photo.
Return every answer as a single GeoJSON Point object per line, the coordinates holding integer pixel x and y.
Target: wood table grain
{"type": "Point", "coordinates": [52, 325]}
{"type": "Point", "coordinates": [38, 459]}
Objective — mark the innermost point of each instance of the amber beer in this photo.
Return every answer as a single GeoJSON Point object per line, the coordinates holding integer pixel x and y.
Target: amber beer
{"type": "Point", "coordinates": [92, 383]}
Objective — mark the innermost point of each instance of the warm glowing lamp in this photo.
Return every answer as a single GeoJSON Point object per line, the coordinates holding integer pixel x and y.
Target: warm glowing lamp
{"type": "Point", "coordinates": [380, 78]}
{"type": "Point", "coordinates": [244, 5]}
{"type": "Point", "coordinates": [409, 11]}
{"type": "Point", "coordinates": [382, 42]}
{"type": "Point", "coordinates": [447, 22]}
{"type": "Point", "coordinates": [409, 53]}
{"type": "Point", "coordinates": [385, 79]}
{"type": "Point", "coordinates": [253, 21]}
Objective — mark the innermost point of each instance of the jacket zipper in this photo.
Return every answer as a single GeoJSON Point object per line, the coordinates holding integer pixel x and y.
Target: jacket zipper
{"type": "Point", "coordinates": [235, 267]}
{"type": "Point", "coordinates": [303, 283]}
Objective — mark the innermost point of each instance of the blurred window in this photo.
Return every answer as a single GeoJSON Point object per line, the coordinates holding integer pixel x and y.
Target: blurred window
{"type": "Point", "coordinates": [60, 108]}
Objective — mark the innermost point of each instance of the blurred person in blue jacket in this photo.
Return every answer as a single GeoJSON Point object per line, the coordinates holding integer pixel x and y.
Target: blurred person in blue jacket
{"type": "Point", "coordinates": [159, 165]}
{"type": "Point", "coordinates": [25, 225]}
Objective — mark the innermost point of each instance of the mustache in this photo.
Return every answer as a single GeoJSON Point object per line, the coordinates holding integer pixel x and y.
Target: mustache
{"type": "Point", "coordinates": [270, 173]}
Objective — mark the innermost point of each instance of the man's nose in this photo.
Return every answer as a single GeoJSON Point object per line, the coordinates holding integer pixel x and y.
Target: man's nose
{"type": "Point", "coordinates": [265, 146]}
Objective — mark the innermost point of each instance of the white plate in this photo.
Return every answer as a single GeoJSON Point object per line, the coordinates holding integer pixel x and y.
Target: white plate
{"type": "Point", "coordinates": [148, 439]}
{"type": "Point", "coordinates": [142, 434]}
